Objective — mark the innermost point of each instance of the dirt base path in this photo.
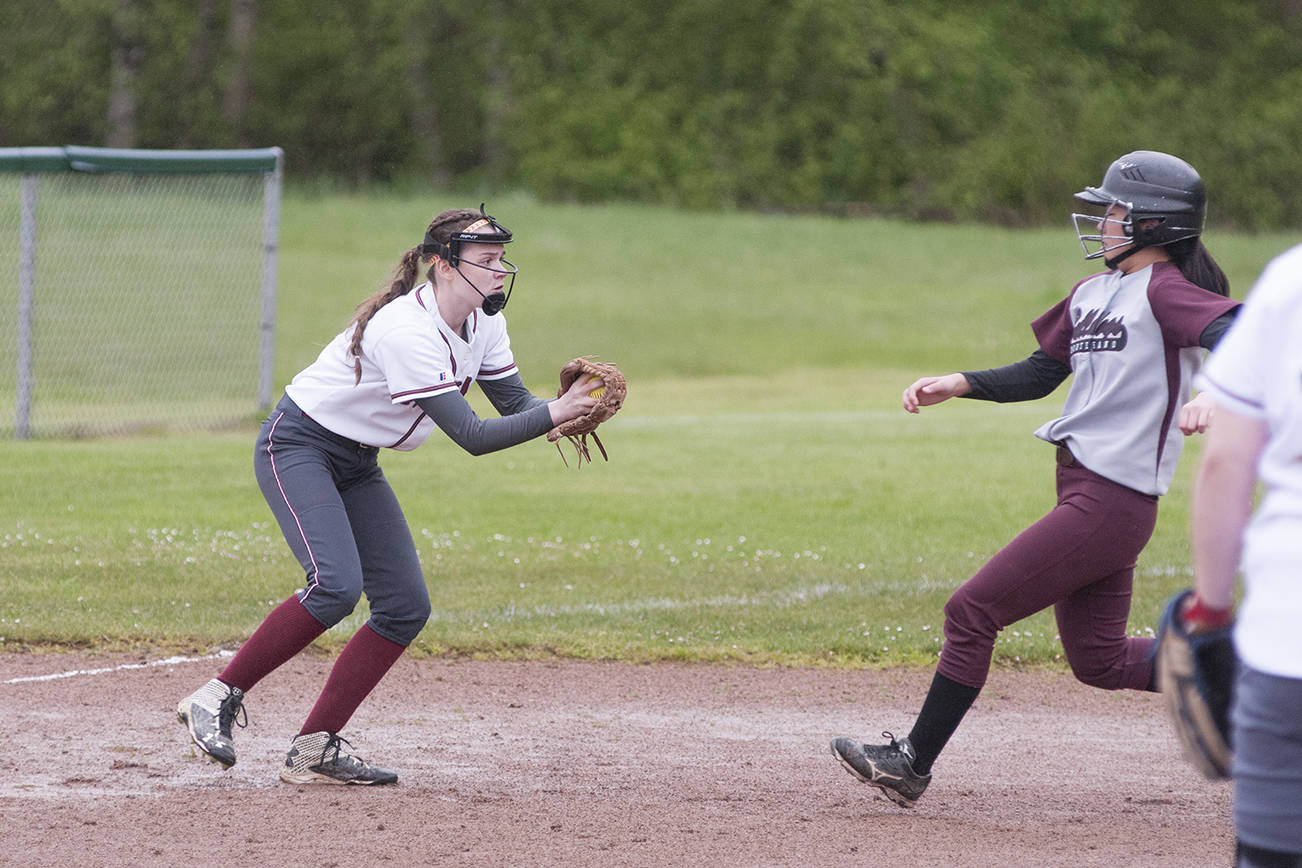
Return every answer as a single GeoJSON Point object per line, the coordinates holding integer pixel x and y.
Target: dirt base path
{"type": "Point", "coordinates": [592, 764]}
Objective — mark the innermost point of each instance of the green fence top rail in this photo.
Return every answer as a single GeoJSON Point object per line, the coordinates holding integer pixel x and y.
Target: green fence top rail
{"type": "Point", "coordinates": [138, 161]}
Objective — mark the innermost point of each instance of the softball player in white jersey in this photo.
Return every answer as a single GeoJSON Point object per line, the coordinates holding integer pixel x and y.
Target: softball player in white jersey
{"type": "Point", "coordinates": [1255, 380]}
{"type": "Point", "coordinates": [398, 372]}
{"type": "Point", "coordinates": [1131, 339]}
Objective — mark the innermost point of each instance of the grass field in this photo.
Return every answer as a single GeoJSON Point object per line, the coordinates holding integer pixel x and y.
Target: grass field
{"type": "Point", "coordinates": [766, 499]}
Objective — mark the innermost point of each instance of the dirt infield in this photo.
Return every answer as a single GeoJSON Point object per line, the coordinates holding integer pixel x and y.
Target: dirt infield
{"type": "Point", "coordinates": [592, 764]}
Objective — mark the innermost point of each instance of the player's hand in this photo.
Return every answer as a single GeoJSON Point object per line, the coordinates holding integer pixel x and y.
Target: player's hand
{"type": "Point", "coordinates": [1196, 415]}
{"type": "Point", "coordinates": [577, 400]}
{"type": "Point", "coordinates": [933, 390]}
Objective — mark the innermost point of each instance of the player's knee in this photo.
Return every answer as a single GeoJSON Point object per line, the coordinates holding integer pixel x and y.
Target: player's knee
{"type": "Point", "coordinates": [403, 629]}
{"type": "Point", "coordinates": [1096, 672]}
{"type": "Point", "coordinates": [402, 625]}
{"type": "Point", "coordinates": [956, 612]}
{"type": "Point", "coordinates": [966, 620]}
{"type": "Point", "coordinates": [420, 616]}
{"type": "Point", "coordinates": [330, 605]}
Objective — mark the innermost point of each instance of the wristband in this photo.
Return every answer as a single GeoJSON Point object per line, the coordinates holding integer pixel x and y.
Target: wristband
{"type": "Point", "coordinates": [1200, 615]}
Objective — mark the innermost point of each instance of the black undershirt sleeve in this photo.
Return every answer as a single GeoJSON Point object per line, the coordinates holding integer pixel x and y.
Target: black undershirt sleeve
{"type": "Point", "coordinates": [1032, 378]}
{"type": "Point", "coordinates": [1211, 335]}
{"type": "Point", "coordinates": [509, 395]}
{"type": "Point", "coordinates": [457, 419]}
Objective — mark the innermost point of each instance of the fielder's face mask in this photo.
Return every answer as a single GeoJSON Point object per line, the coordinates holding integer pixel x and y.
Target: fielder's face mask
{"type": "Point", "coordinates": [485, 230]}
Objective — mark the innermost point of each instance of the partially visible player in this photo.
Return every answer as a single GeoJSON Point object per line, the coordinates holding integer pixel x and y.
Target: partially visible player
{"type": "Point", "coordinates": [400, 370]}
{"type": "Point", "coordinates": [1132, 338]}
{"type": "Point", "coordinates": [1255, 380]}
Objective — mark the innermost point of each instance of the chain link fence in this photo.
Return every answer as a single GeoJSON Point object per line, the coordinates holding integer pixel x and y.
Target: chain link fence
{"type": "Point", "coordinates": [137, 289]}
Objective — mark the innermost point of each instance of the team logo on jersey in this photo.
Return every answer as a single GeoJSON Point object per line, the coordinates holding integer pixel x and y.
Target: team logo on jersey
{"type": "Point", "coordinates": [1097, 332]}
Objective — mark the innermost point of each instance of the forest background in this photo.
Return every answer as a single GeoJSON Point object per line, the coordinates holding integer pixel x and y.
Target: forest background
{"type": "Point", "coordinates": [926, 109]}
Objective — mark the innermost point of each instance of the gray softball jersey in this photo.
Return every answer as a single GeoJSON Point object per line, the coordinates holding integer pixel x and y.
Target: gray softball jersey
{"type": "Point", "coordinates": [1132, 341]}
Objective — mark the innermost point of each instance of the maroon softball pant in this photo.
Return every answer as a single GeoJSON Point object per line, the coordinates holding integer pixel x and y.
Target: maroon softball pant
{"type": "Point", "coordinates": [1080, 559]}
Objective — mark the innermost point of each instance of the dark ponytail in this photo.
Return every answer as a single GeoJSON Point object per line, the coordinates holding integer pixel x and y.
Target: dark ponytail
{"type": "Point", "coordinates": [404, 278]}
{"type": "Point", "coordinates": [1195, 262]}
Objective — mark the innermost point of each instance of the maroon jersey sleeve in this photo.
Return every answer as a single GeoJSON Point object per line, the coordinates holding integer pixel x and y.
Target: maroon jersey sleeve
{"type": "Point", "coordinates": [1182, 309]}
{"type": "Point", "coordinates": [1053, 328]}
{"type": "Point", "coordinates": [1053, 331]}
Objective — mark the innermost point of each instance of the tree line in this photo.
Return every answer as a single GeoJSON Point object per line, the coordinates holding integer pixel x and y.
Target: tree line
{"type": "Point", "coordinates": [926, 109]}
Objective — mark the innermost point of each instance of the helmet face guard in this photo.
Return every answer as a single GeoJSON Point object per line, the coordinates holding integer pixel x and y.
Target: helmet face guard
{"type": "Point", "coordinates": [485, 230]}
{"type": "Point", "coordinates": [1106, 243]}
{"type": "Point", "coordinates": [1151, 186]}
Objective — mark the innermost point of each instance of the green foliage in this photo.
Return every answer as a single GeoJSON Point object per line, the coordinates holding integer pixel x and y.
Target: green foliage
{"type": "Point", "coordinates": [928, 109]}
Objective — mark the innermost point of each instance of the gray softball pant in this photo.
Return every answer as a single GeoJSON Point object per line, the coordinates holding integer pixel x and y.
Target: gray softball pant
{"type": "Point", "coordinates": [1267, 727]}
{"type": "Point", "coordinates": [343, 523]}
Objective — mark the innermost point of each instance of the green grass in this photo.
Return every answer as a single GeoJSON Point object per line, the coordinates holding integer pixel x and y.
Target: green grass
{"type": "Point", "coordinates": [766, 499]}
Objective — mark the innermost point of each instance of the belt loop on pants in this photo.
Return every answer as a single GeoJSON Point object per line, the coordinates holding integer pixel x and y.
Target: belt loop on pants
{"type": "Point", "coordinates": [1065, 458]}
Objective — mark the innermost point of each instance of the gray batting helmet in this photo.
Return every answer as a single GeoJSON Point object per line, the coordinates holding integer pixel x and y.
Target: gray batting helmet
{"type": "Point", "coordinates": [1151, 184]}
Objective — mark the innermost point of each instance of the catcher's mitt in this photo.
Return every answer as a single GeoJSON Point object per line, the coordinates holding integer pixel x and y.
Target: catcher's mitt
{"type": "Point", "coordinates": [609, 400]}
{"type": "Point", "coordinates": [1195, 671]}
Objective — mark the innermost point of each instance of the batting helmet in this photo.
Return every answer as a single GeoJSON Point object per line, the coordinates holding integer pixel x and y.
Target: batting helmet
{"type": "Point", "coordinates": [1151, 186]}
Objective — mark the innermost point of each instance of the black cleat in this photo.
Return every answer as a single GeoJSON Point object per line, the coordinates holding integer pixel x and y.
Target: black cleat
{"type": "Point", "coordinates": [208, 713]}
{"type": "Point", "coordinates": [888, 767]}
{"type": "Point", "coordinates": [317, 758]}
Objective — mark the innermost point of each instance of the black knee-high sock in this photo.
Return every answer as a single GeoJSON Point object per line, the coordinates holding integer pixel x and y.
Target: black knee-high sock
{"type": "Point", "coordinates": [942, 711]}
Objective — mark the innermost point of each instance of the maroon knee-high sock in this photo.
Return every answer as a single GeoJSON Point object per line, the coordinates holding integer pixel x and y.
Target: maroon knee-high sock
{"type": "Point", "coordinates": [285, 632]}
{"type": "Point", "coordinates": [361, 665]}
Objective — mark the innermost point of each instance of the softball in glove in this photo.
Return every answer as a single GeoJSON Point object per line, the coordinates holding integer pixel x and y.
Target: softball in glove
{"type": "Point", "coordinates": [610, 397]}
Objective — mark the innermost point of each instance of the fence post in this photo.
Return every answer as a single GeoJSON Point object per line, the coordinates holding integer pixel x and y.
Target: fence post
{"type": "Point", "coordinates": [270, 250]}
{"type": "Point", "coordinates": [26, 305]}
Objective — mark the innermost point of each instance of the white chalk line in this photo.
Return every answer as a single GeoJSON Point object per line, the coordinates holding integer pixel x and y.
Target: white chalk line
{"type": "Point", "coordinates": [776, 599]}
{"type": "Point", "coordinates": [795, 416]}
{"type": "Point", "coordinates": [169, 661]}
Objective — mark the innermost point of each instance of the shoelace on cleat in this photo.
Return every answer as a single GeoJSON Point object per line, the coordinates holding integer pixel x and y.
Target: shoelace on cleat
{"type": "Point", "coordinates": [335, 743]}
{"type": "Point", "coordinates": [899, 747]}
{"type": "Point", "coordinates": [231, 711]}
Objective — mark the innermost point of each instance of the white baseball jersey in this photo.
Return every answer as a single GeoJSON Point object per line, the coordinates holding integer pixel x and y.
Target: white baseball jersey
{"type": "Point", "coordinates": [1132, 341]}
{"type": "Point", "coordinates": [408, 352]}
{"type": "Point", "coordinates": [1256, 371]}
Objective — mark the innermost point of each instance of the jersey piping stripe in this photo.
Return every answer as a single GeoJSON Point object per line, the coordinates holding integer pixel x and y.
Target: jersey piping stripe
{"type": "Point", "coordinates": [1172, 403]}
{"type": "Point", "coordinates": [312, 583]}
{"type": "Point", "coordinates": [451, 353]}
{"type": "Point", "coordinates": [493, 372]}
{"type": "Point", "coordinates": [1230, 393]}
{"type": "Point", "coordinates": [410, 431]}
{"type": "Point", "coordinates": [423, 391]}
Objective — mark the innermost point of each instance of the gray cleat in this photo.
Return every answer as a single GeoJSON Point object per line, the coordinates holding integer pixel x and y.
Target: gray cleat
{"type": "Point", "coordinates": [208, 713]}
{"type": "Point", "coordinates": [317, 758]}
{"type": "Point", "coordinates": [888, 767]}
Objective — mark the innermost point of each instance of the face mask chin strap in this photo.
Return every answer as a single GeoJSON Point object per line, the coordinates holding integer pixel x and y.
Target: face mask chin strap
{"type": "Point", "coordinates": [493, 303]}
{"type": "Point", "coordinates": [1114, 261]}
